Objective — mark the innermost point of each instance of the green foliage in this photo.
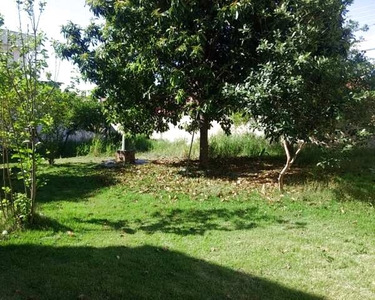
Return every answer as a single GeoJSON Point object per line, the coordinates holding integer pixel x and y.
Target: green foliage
{"type": "Point", "coordinates": [237, 145]}
{"type": "Point", "coordinates": [98, 146]}
{"type": "Point", "coordinates": [240, 118]}
{"type": "Point", "coordinates": [142, 143]}
{"type": "Point", "coordinates": [56, 126]}
{"type": "Point", "coordinates": [22, 207]}
{"type": "Point", "coordinates": [155, 61]}
{"type": "Point", "coordinates": [176, 149]}
{"type": "Point", "coordinates": [88, 115]}
{"type": "Point", "coordinates": [298, 87]}
{"type": "Point", "coordinates": [356, 124]}
{"type": "Point", "coordinates": [101, 146]}
{"type": "Point", "coordinates": [66, 113]}
{"type": "Point", "coordinates": [303, 81]}
{"type": "Point", "coordinates": [221, 146]}
{"type": "Point", "coordinates": [22, 97]}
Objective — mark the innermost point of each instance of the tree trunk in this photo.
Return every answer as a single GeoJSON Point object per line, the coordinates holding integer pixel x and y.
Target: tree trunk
{"type": "Point", "coordinates": [203, 142]}
{"type": "Point", "coordinates": [33, 183]}
{"type": "Point", "coordinates": [63, 146]}
{"type": "Point", "coordinates": [290, 159]}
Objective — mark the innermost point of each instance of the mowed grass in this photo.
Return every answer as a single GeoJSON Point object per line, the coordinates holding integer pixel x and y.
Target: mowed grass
{"type": "Point", "coordinates": [162, 230]}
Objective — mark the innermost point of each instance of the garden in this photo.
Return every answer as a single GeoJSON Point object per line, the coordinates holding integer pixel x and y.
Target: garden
{"type": "Point", "coordinates": [164, 229]}
{"type": "Point", "coordinates": [284, 214]}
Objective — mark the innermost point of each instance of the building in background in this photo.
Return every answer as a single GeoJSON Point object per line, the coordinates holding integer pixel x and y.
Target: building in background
{"type": "Point", "coordinates": [7, 44]}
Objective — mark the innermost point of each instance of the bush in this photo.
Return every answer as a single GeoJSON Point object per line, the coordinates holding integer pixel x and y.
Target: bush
{"type": "Point", "coordinates": [142, 143]}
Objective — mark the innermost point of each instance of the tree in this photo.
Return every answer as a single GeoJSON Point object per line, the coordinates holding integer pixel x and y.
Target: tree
{"type": "Point", "coordinates": [356, 125]}
{"type": "Point", "coordinates": [57, 126]}
{"type": "Point", "coordinates": [88, 115]}
{"type": "Point", "coordinates": [300, 86]}
{"type": "Point", "coordinates": [65, 113]}
{"type": "Point", "coordinates": [155, 61]}
{"type": "Point", "coordinates": [21, 97]}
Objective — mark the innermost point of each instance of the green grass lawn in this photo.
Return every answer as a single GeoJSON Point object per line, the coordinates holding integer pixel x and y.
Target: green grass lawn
{"type": "Point", "coordinates": [159, 231]}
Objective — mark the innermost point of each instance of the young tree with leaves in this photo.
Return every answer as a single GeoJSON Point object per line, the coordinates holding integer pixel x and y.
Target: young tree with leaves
{"type": "Point", "coordinates": [58, 120]}
{"type": "Point", "coordinates": [21, 99]}
{"type": "Point", "coordinates": [299, 88]}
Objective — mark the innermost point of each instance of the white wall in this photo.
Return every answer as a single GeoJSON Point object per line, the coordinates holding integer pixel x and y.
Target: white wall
{"type": "Point", "coordinates": [175, 133]}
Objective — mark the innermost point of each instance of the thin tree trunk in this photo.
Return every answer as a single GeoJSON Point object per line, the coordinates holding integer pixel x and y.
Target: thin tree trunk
{"type": "Point", "coordinates": [3, 160]}
{"type": "Point", "coordinates": [65, 141]}
{"type": "Point", "coordinates": [34, 92]}
{"type": "Point", "coordinates": [2, 206]}
{"type": "Point", "coordinates": [8, 174]}
{"type": "Point", "coordinates": [203, 142]}
{"type": "Point", "coordinates": [33, 176]}
{"type": "Point", "coordinates": [290, 159]}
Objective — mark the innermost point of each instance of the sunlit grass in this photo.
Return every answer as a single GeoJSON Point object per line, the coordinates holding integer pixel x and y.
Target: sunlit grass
{"type": "Point", "coordinates": [168, 230]}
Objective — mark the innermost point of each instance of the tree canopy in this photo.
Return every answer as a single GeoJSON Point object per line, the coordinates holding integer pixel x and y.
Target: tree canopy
{"type": "Point", "coordinates": [304, 80]}
{"type": "Point", "coordinates": [155, 61]}
{"type": "Point", "coordinates": [297, 88]}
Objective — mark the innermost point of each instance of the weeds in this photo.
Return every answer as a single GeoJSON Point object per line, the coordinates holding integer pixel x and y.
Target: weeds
{"type": "Point", "coordinates": [223, 146]}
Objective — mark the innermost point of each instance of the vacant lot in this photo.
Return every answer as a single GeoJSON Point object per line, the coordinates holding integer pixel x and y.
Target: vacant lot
{"type": "Point", "coordinates": [160, 230]}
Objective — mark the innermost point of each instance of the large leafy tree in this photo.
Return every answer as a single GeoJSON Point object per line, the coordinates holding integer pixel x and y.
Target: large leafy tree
{"type": "Point", "coordinates": [154, 61]}
{"type": "Point", "coordinates": [301, 85]}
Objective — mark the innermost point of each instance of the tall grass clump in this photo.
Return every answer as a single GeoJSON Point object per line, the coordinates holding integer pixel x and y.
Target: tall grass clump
{"type": "Point", "coordinates": [101, 146]}
{"type": "Point", "coordinates": [98, 146]}
{"type": "Point", "coordinates": [221, 146]}
{"type": "Point", "coordinates": [176, 149]}
{"type": "Point", "coordinates": [249, 145]}
{"type": "Point", "coordinates": [140, 143]}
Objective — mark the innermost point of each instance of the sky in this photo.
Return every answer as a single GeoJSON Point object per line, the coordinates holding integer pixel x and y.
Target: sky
{"type": "Point", "coordinates": [56, 14]}
{"type": "Point", "coordinates": [59, 12]}
{"type": "Point", "coordinates": [363, 11]}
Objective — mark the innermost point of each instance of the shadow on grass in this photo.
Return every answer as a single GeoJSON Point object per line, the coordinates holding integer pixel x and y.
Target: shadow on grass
{"type": "Point", "coordinates": [353, 173]}
{"type": "Point", "coordinates": [257, 170]}
{"type": "Point", "coordinates": [260, 169]}
{"type": "Point", "coordinates": [45, 223]}
{"type": "Point", "coordinates": [42, 272]}
{"type": "Point", "coordinates": [188, 222]}
{"type": "Point", "coordinates": [74, 182]}
{"type": "Point", "coordinates": [355, 180]}
{"type": "Point", "coordinates": [356, 188]}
